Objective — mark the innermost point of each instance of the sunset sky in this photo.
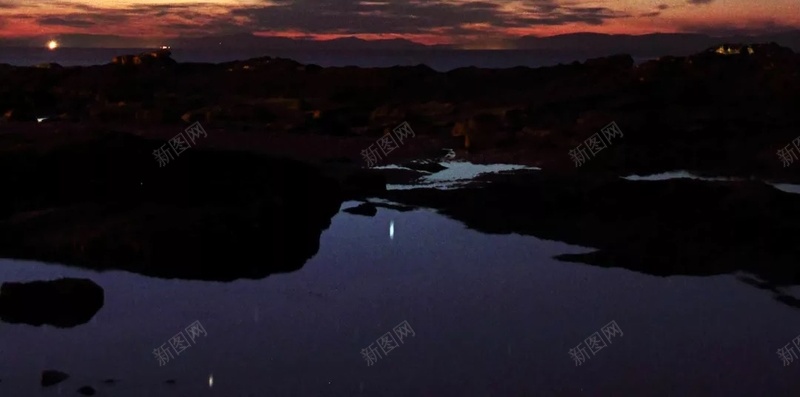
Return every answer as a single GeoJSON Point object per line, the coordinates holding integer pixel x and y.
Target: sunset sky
{"type": "Point", "coordinates": [468, 23]}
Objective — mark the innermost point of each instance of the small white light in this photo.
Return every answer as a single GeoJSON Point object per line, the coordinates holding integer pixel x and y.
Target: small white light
{"type": "Point", "coordinates": [391, 230]}
{"type": "Point", "coordinates": [211, 380]}
{"type": "Point", "coordinates": [40, 119]}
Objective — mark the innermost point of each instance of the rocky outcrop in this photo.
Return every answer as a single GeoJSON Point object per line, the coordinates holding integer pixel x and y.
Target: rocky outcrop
{"type": "Point", "coordinates": [18, 115]}
{"type": "Point", "coordinates": [675, 227]}
{"type": "Point", "coordinates": [62, 303]}
{"type": "Point", "coordinates": [152, 58]}
{"type": "Point", "coordinates": [49, 65]}
{"type": "Point", "coordinates": [365, 209]}
{"type": "Point", "coordinates": [101, 201]}
{"type": "Point", "coordinates": [483, 131]}
{"type": "Point", "coordinates": [53, 377]}
{"type": "Point", "coordinates": [665, 106]}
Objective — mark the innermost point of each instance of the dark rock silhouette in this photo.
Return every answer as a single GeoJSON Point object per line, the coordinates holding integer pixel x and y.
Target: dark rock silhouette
{"type": "Point", "coordinates": [674, 227]}
{"type": "Point", "coordinates": [97, 199]}
{"type": "Point", "coordinates": [481, 131]}
{"type": "Point", "coordinates": [49, 65]}
{"type": "Point", "coordinates": [746, 91]}
{"type": "Point", "coordinates": [157, 57]}
{"type": "Point", "coordinates": [365, 181]}
{"type": "Point", "coordinates": [102, 202]}
{"type": "Point", "coordinates": [52, 377]}
{"type": "Point", "coordinates": [63, 303]}
{"type": "Point", "coordinates": [366, 209]}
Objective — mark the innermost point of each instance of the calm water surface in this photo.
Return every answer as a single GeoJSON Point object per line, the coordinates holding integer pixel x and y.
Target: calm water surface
{"type": "Point", "coordinates": [494, 315]}
{"type": "Point", "coordinates": [682, 174]}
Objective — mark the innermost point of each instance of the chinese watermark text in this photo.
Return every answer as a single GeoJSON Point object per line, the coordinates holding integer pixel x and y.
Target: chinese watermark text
{"type": "Point", "coordinates": [178, 144]}
{"type": "Point", "coordinates": [594, 144]}
{"type": "Point", "coordinates": [387, 342]}
{"type": "Point", "coordinates": [179, 343]}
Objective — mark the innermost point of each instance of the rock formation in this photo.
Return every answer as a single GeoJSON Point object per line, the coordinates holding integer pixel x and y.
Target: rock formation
{"type": "Point", "coordinates": [156, 57]}
{"type": "Point", "coordinates": [62, 303]}
{"type": "Point", "coordinates": [53, 377]}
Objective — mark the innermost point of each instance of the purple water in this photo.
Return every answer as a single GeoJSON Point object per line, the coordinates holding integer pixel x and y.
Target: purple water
{"type": "Point", "coordinates": [494, 315]}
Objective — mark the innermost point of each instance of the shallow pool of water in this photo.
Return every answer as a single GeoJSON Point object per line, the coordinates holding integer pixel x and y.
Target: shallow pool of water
{"type": "Point", "coordinates": [492, 315]}
{"type": "Point", "coordinates": [785, 187]}
{"type": "Point", "coordinates": [457, 174]}
{"type": "Point", "coordinates": [676, 175]}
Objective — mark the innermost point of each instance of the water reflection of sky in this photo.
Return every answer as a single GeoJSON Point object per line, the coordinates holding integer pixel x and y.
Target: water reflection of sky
{"type": "Point", "coordinates": [457, 174]}
{"type": "Point", "coordinates": [675, 175]}
{"type": "Point", "coordinates": [493, 315]}
{"type": "Point", "coordinates": [786, 187]}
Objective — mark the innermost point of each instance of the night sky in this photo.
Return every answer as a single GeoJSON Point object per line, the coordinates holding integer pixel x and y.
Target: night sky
{"type": "Point", "coordinates": [471, 24]}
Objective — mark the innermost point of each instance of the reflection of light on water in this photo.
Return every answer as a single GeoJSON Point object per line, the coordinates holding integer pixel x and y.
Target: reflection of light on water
{"type": "Point", "coordinates": [463, 170]}
{"type": "Point", "coordinates": [676, 175]}
{"type": "Point", "coordinates": [787, 187]}
{"type": "Point", "coordinates": [784, 187]}
{"type": "Point", "coordinates": [391, 230]}
{"type": "Point", "coordinates": [211, 380]}
{"type": "Point", "coordinates": [456, 175]}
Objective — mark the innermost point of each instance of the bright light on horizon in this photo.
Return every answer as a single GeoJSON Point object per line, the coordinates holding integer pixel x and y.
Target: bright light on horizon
{"type": "Point", "coordinates": [52, 44]}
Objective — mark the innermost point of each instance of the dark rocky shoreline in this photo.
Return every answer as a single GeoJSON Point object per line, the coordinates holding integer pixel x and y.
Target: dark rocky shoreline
{"type": "Point", "coordinates": [719, 113]}
{"type": "Point", "coordinates": [283, 154]}
{"type": "Point", "coordinates": [103, 203]}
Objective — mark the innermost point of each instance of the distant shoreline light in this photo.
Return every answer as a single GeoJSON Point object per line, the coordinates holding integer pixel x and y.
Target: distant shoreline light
{"type": "Point", "coordinates": [52, 44]}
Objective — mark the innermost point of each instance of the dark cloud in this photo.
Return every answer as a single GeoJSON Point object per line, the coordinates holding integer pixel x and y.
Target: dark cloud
{"type": "Point", "coordinates": [75, 23]}
{"type": "Point", "coordinates": [660, 8]}
{"type": "Point", "coordinates": [404, 17]}
{"type": "Point", "coordinates": [83, 20]}
{"type": "Point", "coordinates": [77, 6]}
{"type": "Point", "coordinates": [100, 40]}
{"type": "Point", "coordinates": [699, 2]}
{"type": "Point", "coordinates": [341, 17]}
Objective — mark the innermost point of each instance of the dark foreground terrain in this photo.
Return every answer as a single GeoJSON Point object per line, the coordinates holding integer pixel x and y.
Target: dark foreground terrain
{"type": "Point", "coordinates": [284, 145]}
{"type": "Point", "coordinates": [724, 111]}
{"type": "Point", "coordinates": [282, 151]}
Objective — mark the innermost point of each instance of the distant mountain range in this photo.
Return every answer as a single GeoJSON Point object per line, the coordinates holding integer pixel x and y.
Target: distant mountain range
{"type": "Point", "coordinates": [248, 41]}
{"type": "Point", "coordinates": [651, 44]}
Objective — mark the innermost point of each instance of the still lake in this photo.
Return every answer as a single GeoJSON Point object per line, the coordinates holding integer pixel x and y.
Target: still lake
{"type": "Point", "coordinates": [493, 315]}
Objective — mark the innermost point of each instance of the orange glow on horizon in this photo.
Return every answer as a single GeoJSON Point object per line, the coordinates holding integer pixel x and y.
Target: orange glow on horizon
{"type": "Point", "coordinates": [159, 21]}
